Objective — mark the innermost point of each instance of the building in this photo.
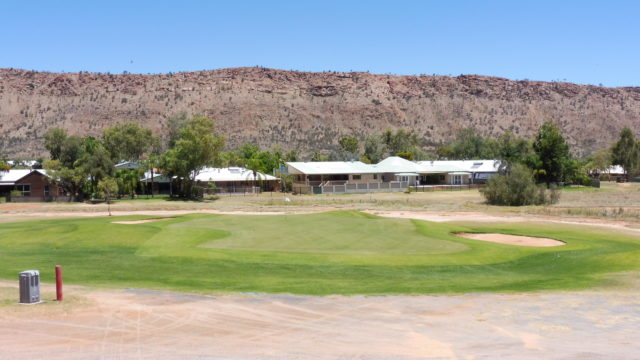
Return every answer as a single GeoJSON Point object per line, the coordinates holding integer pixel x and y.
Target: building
{"type": "Point", "coordinates": [32, 185]}
{"type": "Point", "coordinates": [391, 174]}
{"type": "Point", "coordinates": [236, 180]}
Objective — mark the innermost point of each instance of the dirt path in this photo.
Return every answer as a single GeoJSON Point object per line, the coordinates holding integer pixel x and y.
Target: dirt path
{"type": "Point", "coordinates": [139, 324]}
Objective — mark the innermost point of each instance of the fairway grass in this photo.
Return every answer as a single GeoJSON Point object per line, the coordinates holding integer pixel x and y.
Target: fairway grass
{"type": "Point", "coordinates": [344, 252]}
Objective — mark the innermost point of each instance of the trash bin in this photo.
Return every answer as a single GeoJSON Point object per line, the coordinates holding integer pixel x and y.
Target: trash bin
{"type": "Point", "coordinates": [29, 287]}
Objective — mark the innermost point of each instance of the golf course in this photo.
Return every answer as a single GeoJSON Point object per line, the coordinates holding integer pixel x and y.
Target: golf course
{"type": "Point", "coordinates": [337, 252]}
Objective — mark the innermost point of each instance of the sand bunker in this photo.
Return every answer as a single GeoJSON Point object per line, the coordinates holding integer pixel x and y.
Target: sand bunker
{"type": "Point", "coordinates": [513, 239]}
{"type": "Point", "coordinates": [133, 222]}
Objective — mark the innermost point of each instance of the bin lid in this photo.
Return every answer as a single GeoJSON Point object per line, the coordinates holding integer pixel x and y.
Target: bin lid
{"type": "Point", "coordinates": [30, 273]}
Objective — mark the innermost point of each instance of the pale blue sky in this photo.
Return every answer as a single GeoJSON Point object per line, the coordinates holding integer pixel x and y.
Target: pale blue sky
{"type": "Point", "coordinates": [588, 42]}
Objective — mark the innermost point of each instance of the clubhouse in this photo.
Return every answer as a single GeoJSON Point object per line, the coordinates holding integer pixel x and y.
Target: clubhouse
{"type": "Point", "coordinates": [391, 174]}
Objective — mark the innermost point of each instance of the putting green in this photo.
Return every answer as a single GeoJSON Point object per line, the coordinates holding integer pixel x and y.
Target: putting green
{"type": "Point", "coordinates": [325, 253]}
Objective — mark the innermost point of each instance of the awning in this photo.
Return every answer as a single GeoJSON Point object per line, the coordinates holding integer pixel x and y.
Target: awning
{"type": "Point", "coordinates": [407, 174]}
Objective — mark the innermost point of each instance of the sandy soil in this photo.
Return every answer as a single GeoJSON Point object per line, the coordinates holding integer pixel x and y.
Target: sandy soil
{"type": "Point", "coordinates": [142, 324]}
{"type": "Point", "coordinates": [133, 222]}
{"type": "Point", "coordinates": [513, 239]}
{"type": "Point", "coordinates": [436, 216]}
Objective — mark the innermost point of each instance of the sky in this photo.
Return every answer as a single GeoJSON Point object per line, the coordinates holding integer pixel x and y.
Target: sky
{"type": "Point", "coordinates": [586, 42]}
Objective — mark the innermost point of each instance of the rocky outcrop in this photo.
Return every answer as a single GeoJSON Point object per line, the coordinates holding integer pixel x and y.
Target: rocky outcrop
{"type": "Point", "coordinates": [308, 111]}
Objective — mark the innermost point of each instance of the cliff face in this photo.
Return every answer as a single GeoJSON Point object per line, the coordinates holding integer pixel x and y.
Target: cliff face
{"type": "Point", "coordinates": [308, 111]}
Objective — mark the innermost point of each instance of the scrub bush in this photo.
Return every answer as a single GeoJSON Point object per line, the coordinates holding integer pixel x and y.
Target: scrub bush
{"type": "Point", "coordinates": [517, 188]}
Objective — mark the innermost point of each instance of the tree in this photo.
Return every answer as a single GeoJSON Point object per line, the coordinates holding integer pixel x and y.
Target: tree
{"type": "Point", "coordinates": [374, 148]}
{"type": "Point", "coordinates": [513, 150]}
{"type": "Point", "coordinates": [95, 162]}
{"type": "Point", "coordinates": [71, 151]}
{"type": "Point", "coordinates": [71, 180]}
{"type": "Point", "coordinates": [626, 152]}
{"type": "Point", "coordinates": [599, 161]}
{"type": "Point", "coordinates": [402, 141]}
{"type": "Point", "coordinates": [108, 187]}
{"type": "Point", "coordinates": [349, 144]}
{"type": "Point", "coordinates": [128, 141]}
{"type": "Point", "coordinates": [197, 146]}
{"type": "Point", "coordinates": [348, 149]}
{"type": "Point", "coordinates": [552, 151]}
{"type": "Point", "coordinates": [516, 188]}
{"type": "Point", "coordinates": [4, 166]}
{"type": "Point", "coordinates": [175, 124]}
{"type": "Point", "coordinates": [54, 140]}
{"type": "Point", "coordinates": [248, 150]}
{"type": "Point", "coordinates": [317, 156]}
{"type": "Point", "coordinates": [470, 145]}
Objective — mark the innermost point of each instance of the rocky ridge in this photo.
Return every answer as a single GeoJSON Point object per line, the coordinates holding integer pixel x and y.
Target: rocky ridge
{"type": "Point", "coordinates": [307, 111]}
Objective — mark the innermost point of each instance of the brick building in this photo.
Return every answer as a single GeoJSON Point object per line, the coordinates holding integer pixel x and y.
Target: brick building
{"type": "Point", "coordinates": [33, 185]}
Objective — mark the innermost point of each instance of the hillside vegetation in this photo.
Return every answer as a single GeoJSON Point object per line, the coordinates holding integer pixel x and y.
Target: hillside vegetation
{"type": "Point", "coordinates": [307, 111]}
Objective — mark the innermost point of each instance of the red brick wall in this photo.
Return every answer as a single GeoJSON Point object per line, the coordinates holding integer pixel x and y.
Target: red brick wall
{"type": "Point", "coordinates": [38, 183]}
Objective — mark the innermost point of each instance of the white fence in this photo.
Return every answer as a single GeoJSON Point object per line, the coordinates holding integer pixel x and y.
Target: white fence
{"type": "Point", "coordinates": [361, 187]}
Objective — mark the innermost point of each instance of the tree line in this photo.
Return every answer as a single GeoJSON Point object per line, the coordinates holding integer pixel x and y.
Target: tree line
{"type": "Point", "coordinates": [84, 166]}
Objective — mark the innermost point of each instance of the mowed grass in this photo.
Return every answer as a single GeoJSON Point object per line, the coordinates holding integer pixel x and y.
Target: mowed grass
{"type": "Point", "coordinates": [343, 252]}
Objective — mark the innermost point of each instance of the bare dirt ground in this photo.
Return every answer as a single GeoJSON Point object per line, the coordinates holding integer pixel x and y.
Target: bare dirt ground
{"type": "Point", "coordinates": [142, 324]}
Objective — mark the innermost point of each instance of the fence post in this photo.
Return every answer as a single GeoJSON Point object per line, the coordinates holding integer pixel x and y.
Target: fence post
{"type": "Point", "coordinates": [58, 282]}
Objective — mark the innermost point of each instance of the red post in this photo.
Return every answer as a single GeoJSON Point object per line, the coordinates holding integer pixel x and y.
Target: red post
{"type": "Point", "coordinates": [58, 282]}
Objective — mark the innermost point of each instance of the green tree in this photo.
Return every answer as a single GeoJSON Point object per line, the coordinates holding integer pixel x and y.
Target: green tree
{"type": "Point", "coordinates": [95, 162]}
{"type": "Point", "coordinates": [197, 146]}
{"type": "Point", "coordinates": [402, 141]}
{"type": "Point", "coordinates": [71, 151]}
{"type": "Point", "coordinates": [70, 179]}
{"type": "Point", "coordinates": [626, 152]}
{"type": "Point", "coordinates": [54, 140]}
{"type": "Point", "coordinates": [128, 141]}
{"type": "Point", "coordinates": [552, 151]}
{"type": "Point", "coordinates": [513, 150]}
{"type": "Point", "coordinates": [4, 166]}
{"type": "Point", "coordinates": [248, 151]}
{"type": "Point", "coordinates": [470, 145]}
{"type": "Point", "coordinates": [599, 161]}
{"type": "Point", "coordinates": [174, 125]}
{"type": "Point", "coordinates": [128, 181]}
{"type": "Point", "coordinates": [317, 156]}
{"type": "Point", "coordinates": [516, 188]}
{"type": "Point", "coordinates": [374, 148]}
{"type": "Point", "coordinates": [108, 188]}
{"type": "Point", "coordinates": [291, 156]}
{"type": "Point", "coordinates": [349, 144]}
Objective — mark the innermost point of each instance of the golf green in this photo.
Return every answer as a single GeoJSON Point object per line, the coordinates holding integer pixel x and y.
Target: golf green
{"type": "Point", "coordinates": [325, 253]}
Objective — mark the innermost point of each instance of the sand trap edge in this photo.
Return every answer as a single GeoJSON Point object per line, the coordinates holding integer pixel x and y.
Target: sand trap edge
{"type": "Point", "coordinates": [516, 240]}
{"type": "Point", "coordinates": [144, 221]}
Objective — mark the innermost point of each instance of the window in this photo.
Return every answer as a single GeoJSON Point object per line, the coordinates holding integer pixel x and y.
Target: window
{"type": "Point", "coordinates": [375, 176]}
{"type": "Point", "coordinates": [25, 189]}
{"type": "Point", "coordinates": [356, 177]}
{"type": "Point", "coordinates": [46, 190]}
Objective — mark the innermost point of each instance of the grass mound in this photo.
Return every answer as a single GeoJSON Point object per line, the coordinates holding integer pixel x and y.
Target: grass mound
{"type": "Point", "coordinates": [327, 253]}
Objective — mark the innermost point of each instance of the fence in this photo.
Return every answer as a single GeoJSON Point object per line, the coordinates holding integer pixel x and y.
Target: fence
{"type": "Point", "coordinates": [354, 188]}
{"type": "Point", "coordinates": [24, 199]}
{"type": "Point", "coordinates": [427, 188]}
{"type": "Point", "coordinates": [378, 187]}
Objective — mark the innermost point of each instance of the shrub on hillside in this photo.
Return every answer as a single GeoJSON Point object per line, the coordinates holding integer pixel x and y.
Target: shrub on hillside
{"type": "Point", "coordinates": [517, 188]}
